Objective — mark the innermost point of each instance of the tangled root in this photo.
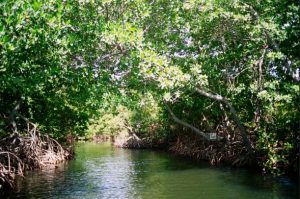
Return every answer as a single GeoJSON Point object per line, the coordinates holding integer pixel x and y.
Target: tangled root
{"type": "Point", "coordinates": [215, 152]}
{"type": "Point", "coordinates": [20, 153]}
{"type": "Point", "coordinates": [132, 141]}
{"type": "Point", "coordinates": [11, 165]}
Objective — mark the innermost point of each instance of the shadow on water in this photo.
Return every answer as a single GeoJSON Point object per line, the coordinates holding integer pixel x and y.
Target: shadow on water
{"type": "Point", "coordinates": [101, 171]}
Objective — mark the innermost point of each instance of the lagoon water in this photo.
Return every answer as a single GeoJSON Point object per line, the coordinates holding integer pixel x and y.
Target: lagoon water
{"type": "Point", "coordinates": [102, 171]}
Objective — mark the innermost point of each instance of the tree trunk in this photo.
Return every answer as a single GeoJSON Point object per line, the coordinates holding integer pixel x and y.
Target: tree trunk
{"type": "Point", "coordinates": [177, 120]}
{"type": "Point", "coordinates": [231, 135]}
{"type": "Point", "coordinates": [234, 115]}
{"type": "Point", "coordinates": [12, 117]}
{"type": "Point", "coordinates": [258, 110]}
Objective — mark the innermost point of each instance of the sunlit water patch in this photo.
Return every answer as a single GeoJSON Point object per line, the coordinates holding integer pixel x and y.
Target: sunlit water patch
{"type": "Point", "coordinates": [101, 171]}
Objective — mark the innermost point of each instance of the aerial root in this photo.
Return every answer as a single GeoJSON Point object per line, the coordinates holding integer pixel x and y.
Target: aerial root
{"type": "Point", "coordinates": [20, 153]}
{"type": "Point", "coordinates": [216, 152]}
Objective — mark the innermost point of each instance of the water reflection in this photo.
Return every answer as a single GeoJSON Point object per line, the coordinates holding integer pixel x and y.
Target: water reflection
{"type": "Point", "coordinates": [100, 171]}
{"type": "Point", "coordinates": [113, 177]}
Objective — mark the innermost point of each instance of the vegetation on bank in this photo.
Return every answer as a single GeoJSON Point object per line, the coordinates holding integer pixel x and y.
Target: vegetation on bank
{"type": "Point", "coordinates": [228, 71]}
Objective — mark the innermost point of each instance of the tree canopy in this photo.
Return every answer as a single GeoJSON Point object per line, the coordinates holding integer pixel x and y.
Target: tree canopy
{"type": "Point", "coordinates": [93, 67]}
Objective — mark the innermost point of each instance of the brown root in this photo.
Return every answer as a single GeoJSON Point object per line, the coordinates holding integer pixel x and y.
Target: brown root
{"type": "Point", "coordinates": [19, 153]}
{"type": "Point", "coordinates": [132, 141]}
{"type": "Point", "coordinates": [216, 152]}
{"type": "Point", "coordinates": [9, 166]}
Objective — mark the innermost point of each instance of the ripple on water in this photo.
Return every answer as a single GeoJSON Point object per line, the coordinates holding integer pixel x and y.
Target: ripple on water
{"type": "Point", "coordinates": [100, 171]}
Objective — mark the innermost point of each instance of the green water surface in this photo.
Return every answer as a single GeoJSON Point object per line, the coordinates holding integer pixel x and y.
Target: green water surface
{"type": "Point", "coordinates": [101, 171]}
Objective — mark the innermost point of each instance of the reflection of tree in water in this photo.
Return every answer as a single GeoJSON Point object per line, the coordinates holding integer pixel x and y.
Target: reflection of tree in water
{"type": "Point", "coordinates": [116, 175]}
{"type": "Point", "coordinates": [38, 184]}
{"type": "Point", "coordinates": [123, 173]}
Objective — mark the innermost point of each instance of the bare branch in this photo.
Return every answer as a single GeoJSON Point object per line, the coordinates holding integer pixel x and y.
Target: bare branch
{"type": "Point", "coordinates": [176, 119]}
{"type": "Point", "coordinates": [234, 114]}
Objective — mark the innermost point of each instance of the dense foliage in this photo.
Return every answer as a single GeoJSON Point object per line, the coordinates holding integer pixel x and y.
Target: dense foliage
{"type": "Point", "coordinates": [114, 65]}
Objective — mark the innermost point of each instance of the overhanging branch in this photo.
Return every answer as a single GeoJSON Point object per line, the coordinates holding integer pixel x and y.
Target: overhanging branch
{"type": "Point", "coordinates": [234, 114]}
{"type": "Point", "coordinates": [176, 119]}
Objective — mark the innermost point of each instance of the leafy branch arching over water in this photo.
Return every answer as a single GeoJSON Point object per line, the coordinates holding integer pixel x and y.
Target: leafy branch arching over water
{"type": "Point", "coordinates": [73, 67]}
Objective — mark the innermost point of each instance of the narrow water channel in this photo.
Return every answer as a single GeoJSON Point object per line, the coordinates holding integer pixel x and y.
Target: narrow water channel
{"type": "Point", "coordinates": [101, 171]}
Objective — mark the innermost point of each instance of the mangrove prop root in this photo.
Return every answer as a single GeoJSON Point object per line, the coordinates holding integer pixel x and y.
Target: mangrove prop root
{"type": "Point", "coordinates": [20, 153]}
{"type": "Point", "coordinates": [215, 152]}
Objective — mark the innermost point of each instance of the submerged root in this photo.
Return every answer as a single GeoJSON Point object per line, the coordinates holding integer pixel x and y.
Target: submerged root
{"type": "Point", "coordinates": [132, 141]}
{"type": "Point", "coordinates": [20, 153]}
{"type": "Point", "coordinates": [216, 152]}
{"type": "Point", "coordinates": [9, 166]}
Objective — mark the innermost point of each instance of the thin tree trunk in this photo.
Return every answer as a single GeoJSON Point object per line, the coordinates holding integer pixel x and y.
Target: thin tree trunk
{"type": "Point", "coordinates": [258, 110]}
{"type": "Point", "coordinates": [234, 115]}
{"type": "Point", "coordinates": [227, 124]}
{"type": "Point", "coordinates": [12, 117]}
{"type": "Point", "coordinates": [177, 120]}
